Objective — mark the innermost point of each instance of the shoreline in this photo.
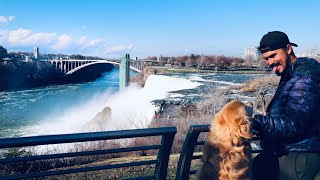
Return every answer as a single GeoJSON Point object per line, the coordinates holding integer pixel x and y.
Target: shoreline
{"type": "Point", "coordinates": [248, 91]}
{"type": "Point", "coordinates": [141, 77]}
{"type": "Point", "coordinates": [164, 70]}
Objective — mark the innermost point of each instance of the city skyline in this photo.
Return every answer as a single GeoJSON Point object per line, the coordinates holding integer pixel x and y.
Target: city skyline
{"type": "Point", "coordinates": [148, 28]}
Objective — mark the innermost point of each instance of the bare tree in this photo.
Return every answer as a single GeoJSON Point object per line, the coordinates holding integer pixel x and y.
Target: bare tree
{"type": "Point", "coordinates": [202, 61]}
{"type": "Point", "coordinates": [180, 60]}
{"type": "Point", "coordinates": [249, 60]}
{"type": "Point", "coordinates": [154, 58]}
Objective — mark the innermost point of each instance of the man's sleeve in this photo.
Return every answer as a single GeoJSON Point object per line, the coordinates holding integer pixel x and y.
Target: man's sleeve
{"type": "Point", "coordinates": [302, 102]}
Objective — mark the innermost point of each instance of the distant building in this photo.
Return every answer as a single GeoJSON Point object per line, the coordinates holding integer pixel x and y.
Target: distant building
{"type": "Point", "coordinates": [252, 53]}
{"type": "Point", "coordinates": [27, 59]}
{"type": "Point", "coordinates": [6, 59]}
{"type": "Point", "coordinates": [36, 53]}
{"type": "Point", "coordinates": [159, 58]}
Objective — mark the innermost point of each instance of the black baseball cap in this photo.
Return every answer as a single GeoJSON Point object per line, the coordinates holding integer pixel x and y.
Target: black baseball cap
{"type": "Point", "coordinates": [274, 40]}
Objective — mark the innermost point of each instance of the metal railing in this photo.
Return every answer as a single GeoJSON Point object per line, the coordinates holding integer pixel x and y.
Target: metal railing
{"type": "Point", "coordinates": [161, 162]}
{"type": "Point", "coordinates": [187, 153]}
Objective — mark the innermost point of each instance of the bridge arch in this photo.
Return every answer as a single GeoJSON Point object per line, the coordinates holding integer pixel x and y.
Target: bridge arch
{"type": "Point", "coordinates": [97, 62]}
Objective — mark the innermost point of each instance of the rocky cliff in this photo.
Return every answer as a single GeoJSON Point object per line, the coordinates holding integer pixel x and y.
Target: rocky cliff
{"type": "Point", "coordinates": [99, 122]}
{"type": "Point", "coordinates": [141, 78]}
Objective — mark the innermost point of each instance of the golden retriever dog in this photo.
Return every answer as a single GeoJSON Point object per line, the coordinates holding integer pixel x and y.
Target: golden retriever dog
{"type": "Point", "coordinates": [227, 152]}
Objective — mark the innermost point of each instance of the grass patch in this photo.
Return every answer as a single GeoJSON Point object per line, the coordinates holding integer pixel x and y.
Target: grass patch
{"type": "Point", "coordinates": [259, 82]}
{"type": "Point", "coordinates": [128, 172]}
{"type": "Point", "coordinates": [131, 172]}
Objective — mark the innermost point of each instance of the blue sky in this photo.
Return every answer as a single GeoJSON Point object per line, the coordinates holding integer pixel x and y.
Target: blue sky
{"type": "Point", "coordinates": [109, 28]}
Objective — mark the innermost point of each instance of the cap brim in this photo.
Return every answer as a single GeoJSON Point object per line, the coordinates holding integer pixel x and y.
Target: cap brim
{"type": "Point", "coordinates": [293, 44]}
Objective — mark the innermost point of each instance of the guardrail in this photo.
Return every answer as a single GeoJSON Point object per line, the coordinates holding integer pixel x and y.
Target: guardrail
{"type": "Point", "coordinates": [187, 153]}
{"type": "Point", "coordinates": [161, 162]}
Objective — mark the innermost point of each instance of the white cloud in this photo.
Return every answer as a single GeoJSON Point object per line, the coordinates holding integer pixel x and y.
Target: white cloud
{"type": "Point", "coordinates": [82, 40]}
{"type": "Point", "coordinates": [5, 20]}
{"type": "Point", "coordinates": [3, 36]}
{"type": "Point", "coordinates": [66, 43]}
{"type": "Point", "coordinates": [11, 18]}
{"type": "Point", "coordinates": [42, 38]}
{"type": "Point", "coordinates": [18, 36]}
{"type": "Point", "coordinates": [120, 49]}
{"type": "Point", "coordinates": [24, 37]}
{"type": "Point", "coordinates": [95, 42]}
{"type": "Point", "coordinates": [83, 43]}
{"type": "Point", "coordinates": [63, 42]}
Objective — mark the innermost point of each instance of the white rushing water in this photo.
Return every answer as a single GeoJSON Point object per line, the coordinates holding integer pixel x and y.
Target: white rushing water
{"type": "Point", "coordinates": [131, 107]}
{"type": "Point", "coordinates": [68, 108]}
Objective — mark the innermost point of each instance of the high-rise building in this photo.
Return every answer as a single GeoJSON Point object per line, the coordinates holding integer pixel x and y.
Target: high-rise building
{"type": "Point", "coordinates": [36, 53]}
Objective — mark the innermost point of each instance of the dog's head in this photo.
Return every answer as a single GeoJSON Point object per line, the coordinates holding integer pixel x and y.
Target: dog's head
{"type": "Point", "coordinates": [232, 122]}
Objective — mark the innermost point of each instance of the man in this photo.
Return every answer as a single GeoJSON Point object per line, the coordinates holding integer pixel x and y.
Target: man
{"type": "Point", "coordinates": [290, 131]}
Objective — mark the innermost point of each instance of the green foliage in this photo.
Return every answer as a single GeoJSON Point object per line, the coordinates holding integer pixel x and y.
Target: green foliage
{"type": "Point", "coordinates": [77, 56]}
{"type": "Point", "coordinates": [194, 56]}
{"type": "Point", "coordinates": [18, 74]}
{"type": "Point", "coordinates": [3, 52]}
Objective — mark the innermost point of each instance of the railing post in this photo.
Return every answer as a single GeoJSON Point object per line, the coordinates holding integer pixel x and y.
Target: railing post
{"type": "Point", "coordinates": [186, 154]}
{"type": "Point", "coordinates": [164, 155]}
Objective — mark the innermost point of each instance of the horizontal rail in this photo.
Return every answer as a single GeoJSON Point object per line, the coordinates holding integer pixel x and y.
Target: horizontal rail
{"type": "Point", "coordinates": [196, 156]}
{"type": "Point", "coordinates": [142, 178]}
{"type": "Point", "coordinates": [200, 128]}
{"type": "Point", "coordinates": [82, 137]}
{"type": "Point", "coordinates": [200, 143]}
{"type": "Point", "coordinates": [77, 154]}
{"type": "Point", "coordinates": [160, 163]}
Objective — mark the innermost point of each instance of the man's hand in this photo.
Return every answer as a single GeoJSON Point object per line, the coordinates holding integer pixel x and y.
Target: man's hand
{"type": "Point", "coordinates": [256, 128]}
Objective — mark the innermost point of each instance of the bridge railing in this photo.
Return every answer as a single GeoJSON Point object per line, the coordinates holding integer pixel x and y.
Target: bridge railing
{"type": "Point", "coordinates": [160, 163]}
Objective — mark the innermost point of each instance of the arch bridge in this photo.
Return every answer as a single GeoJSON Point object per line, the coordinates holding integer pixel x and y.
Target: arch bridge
{"type": "Point", "coordinates": [70, 66]}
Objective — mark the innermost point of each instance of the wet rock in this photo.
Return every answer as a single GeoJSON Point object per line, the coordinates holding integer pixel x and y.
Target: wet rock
{"type": "Point", "coordinates": [99, 122]}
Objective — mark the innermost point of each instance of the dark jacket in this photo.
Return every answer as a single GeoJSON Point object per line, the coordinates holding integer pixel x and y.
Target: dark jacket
{"type": "Point", "coordinates": [292, 122]}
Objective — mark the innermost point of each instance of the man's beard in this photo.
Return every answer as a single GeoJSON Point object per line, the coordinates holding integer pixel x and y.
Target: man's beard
{"type": "Point", "coordinates": [285, 69]}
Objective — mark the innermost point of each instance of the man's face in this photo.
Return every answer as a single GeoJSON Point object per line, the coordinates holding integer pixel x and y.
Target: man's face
{"type": "Point", "coordinates": [277, 60]}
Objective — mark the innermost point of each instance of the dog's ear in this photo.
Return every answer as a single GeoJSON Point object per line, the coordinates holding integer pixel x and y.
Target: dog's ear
{"type": "Point", "coordinates": [244, 131]}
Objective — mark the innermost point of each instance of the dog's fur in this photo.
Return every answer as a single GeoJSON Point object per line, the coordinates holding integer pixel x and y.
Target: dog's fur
{"type": "Point", "coordinates": [227, 152]}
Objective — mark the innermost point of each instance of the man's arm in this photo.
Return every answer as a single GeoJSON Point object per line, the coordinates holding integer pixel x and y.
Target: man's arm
{"type": "Point", "coordinates": [301, 106]}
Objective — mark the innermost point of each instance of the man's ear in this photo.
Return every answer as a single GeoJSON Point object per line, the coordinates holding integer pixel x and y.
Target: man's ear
{"type": "Point", "coordinates": [289, 48]}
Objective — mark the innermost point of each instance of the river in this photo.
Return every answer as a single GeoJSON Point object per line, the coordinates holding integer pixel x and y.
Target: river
{"type": "Point", "coordinates": [66, 108]}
